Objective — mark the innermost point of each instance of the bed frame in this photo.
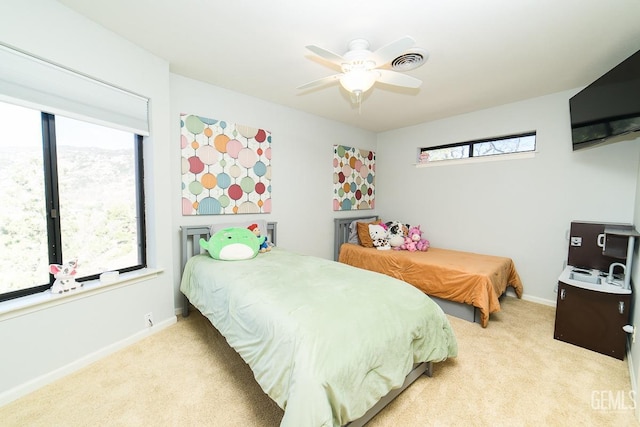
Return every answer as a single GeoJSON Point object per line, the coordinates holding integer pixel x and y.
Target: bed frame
{"type": "Point", "coordinates": [456, 309]}
{"type": "Point", "coordinates": [190, 246]}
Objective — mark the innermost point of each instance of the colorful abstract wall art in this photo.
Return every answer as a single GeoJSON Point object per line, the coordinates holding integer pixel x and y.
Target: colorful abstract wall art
{"type": "Point", "coordinates": [226, 168]}
{"type": "Point", "coordinates": [353, 178]}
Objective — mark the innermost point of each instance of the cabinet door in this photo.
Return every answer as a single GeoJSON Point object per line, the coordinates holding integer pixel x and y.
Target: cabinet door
{"type": "Point", "coordinates": [592, 319]}
{"type": "Point", "coordinates": [588, 254]}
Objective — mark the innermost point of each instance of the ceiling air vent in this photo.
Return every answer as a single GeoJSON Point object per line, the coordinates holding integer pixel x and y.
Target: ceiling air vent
{"type": "Point", "coordinates": [410, 60]}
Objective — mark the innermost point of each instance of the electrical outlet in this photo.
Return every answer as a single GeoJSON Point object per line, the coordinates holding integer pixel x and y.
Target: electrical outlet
{"type": "Point", "coordinates": [148, 320]}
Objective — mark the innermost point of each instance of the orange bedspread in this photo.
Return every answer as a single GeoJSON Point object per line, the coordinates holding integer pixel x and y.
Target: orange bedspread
{"type": "Point", "coordinates": [463, 277]}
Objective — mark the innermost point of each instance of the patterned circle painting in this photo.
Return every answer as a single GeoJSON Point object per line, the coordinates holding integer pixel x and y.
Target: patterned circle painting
{"type": "Point", "coordinates": [353, 178]}
{"type": "Point", "coordinates": [226, 168]}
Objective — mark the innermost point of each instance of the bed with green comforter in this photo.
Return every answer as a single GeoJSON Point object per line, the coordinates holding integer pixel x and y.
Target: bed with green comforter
{"type": "Point", "coordinates": [324, 340]}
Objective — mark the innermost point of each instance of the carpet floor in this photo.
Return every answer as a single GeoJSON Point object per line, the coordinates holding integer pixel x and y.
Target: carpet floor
{"type": "Point", "coordinates": [513, 373]}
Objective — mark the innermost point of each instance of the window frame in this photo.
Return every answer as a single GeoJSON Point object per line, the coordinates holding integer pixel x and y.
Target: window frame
{"type": "Point", "coordinates": [472, 143]}
{"type": "Point", "coordinates": [54, 235]}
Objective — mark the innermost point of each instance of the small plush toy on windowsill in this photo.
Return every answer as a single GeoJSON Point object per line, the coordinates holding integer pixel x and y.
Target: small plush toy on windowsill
{"type": "Point", "coordinates": [65, 277]}
{"type": "Point", "coordinates": [264, 245]}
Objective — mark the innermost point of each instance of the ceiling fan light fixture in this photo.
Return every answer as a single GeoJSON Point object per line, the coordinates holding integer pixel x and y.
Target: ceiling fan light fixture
{"type": "Point", "coordinates": [358, 80]}
{"type": "Point", "coordinates": [361, 68]}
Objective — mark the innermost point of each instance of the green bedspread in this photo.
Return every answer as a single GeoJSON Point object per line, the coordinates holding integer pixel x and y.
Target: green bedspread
{"type": "Point", "coordinates": [324, 340]}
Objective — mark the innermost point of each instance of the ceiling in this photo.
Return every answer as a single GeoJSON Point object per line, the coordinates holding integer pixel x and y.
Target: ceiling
{"type": "Point", "coordinates": [481, 53]}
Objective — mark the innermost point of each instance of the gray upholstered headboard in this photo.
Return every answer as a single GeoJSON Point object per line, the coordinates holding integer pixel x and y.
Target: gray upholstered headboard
{"type": "Point", "coordinates": [341, 232]}
{"type": "Point", "coordinates": [190, 246]}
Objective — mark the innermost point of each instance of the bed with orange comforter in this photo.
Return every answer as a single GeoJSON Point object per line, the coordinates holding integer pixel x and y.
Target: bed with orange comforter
{"type": "Point", "coordinates": [463, 277]}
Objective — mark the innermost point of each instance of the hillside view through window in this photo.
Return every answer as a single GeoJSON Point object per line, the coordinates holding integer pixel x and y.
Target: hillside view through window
{"type": "Point", "coordinates": [90, 194]}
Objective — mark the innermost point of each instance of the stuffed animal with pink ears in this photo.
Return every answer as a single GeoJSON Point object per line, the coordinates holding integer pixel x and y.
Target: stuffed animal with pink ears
{"type": "Point", "coordinates": [409, 245]}
{"type": "Point", "coordinates": [415, 234]}
{"type": "Point", "coordinates": [65, 277]}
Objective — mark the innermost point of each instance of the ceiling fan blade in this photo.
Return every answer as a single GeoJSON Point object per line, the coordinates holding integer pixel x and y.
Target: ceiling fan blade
{"type": "Point", "coordinates": [397, 79]}
{"type": "Point", "coordinates": [392, 50]}
{"type": "Point", "coordinates": [327, 55]}
{"type": "Point", "coordinates": [321, 82]}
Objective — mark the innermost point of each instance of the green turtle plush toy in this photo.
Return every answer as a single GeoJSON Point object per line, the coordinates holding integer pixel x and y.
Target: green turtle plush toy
{"type": "Point", "coordinates": [232, 244]}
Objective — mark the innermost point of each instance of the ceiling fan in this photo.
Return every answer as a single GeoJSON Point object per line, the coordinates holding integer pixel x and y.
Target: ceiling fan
{"type": "Point", "coordinates": [361, 67]}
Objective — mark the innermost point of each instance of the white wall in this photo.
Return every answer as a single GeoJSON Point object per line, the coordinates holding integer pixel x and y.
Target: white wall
{"type": "Point", "coordinates": [46, 344]}
{"type": "Point", "coordinates": [302, 147]}
{"type": "Point", "coordinates": [518, 208]}
{"type": "Point", "coordinates": [39, 346]}
{"type": "Point", "coordinates": [521, 209]}
{"type": "Point", "coordinates": [634, 359]}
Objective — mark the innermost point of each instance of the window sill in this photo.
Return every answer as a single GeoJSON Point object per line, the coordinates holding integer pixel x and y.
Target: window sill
{"type": "Point", "coordinates": [483, 159]}
{"type": "Point", "coordinates": [40, 301]}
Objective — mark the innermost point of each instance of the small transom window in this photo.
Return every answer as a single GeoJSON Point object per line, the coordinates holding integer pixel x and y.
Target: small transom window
{"type": "Point", "coordinates": [480, 148]}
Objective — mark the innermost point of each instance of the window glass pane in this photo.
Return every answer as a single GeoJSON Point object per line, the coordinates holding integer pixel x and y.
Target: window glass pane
{"type": "Point", "coordinates": [504, 146]}
{"type": "Point", "coordinates": [24, 261]}
{"type": "Point", "coordinates": [97, 187]}
{"type": "Point", "coordinates": [448, 153]}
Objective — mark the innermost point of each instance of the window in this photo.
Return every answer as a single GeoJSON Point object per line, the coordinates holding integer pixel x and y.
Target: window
{"type": "Point", "coordinates": [480, 148]}
{"type": "Point", "coordinates": [68, 189]}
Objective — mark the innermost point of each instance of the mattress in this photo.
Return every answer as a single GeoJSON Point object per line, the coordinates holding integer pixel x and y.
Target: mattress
{"type": "Point", "coordinates": [324, 340]}
{"type": "Point", "coordinates": [464, 277]}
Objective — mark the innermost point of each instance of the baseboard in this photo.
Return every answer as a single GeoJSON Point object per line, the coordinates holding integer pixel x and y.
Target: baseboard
{"type": "Point", "coordinates": [543, 301]}
{"type": "Point", "coordinates": [39, 382]}
{"type": "Point", "coordinates": [512, 293]}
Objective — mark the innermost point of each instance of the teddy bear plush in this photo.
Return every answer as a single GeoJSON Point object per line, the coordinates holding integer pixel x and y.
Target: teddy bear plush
{"type": "Point", "coordinates": [380, 236]}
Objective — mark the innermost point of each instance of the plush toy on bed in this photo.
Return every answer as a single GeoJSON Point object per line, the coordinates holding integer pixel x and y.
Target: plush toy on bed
{"type": "Point", "coordinates": [380, 236]}
{"type": "Point", "coordinates": [415, 234]}
{"type": "Point", "coordinates": [408, 245]}
{"type": "Point", "coordinates": [232, 244]}
{"type": "Point", "coordinates": [397, 232]}
{"type": "Point", "coordinates": [65, 277]}
{"type": "Point", "coordinates": [264, 245]}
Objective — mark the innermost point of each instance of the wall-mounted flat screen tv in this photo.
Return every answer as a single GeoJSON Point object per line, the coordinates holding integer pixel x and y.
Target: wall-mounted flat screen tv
{"type": "Point", "coordinates": [609, 107]}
